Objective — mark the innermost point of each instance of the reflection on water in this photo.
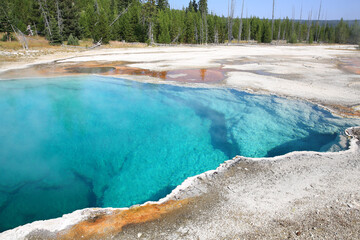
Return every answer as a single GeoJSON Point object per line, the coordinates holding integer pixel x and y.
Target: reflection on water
{"type": "Point", "coordinates": [211, 75]}
{"type": "Point", "coordinates": [94, 70]}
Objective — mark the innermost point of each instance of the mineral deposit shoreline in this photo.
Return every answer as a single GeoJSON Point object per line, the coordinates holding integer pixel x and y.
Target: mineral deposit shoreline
{"type": "Point", "coordinates": [299, 195]}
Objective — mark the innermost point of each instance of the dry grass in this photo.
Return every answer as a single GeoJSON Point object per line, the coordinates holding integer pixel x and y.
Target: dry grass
{"type": "Point", "coordinates": [34, 42]}
{"type": "Point", "coordinates": [38, 43]}
{"type": "Point", "coordinates": [118, 44]}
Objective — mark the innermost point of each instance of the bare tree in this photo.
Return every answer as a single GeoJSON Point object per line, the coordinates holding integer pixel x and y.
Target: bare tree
{"type": "Point", "coordinates": [293, 21]}
{"type": "Point", "coordinates": [299, 36]}
{"type": "Point", "coordinates": [196, 33]}
{"type": "Point", "coordinates": [97, 7]}
{"type": "Point", "coordinates": [272, 22]}
{"type": "Point", "coordinates": [279, 30]}
{"type": "Point", "coordinates": [309, 26]}
{"type": "Point", "coordinates": [206, 27]}
{"type": "Point", "coordinates": [249, 26]}
{"type": "Point", "coordinates": [201, 31]}
{"type": "Point", "coordinates": [241, 21]}
{"type": "Point", "coordinates": [317, 24]}
{"type": "Point", "coordinates": [58, 16]}
{"type": "Point", "coordinates": [216, 37]}
{"type": "Point", "coordinates": [150, 33]}
{"type": "Point", "coordinates": [285, 29]}
{"type": "Point", "coordinates": [230, 21]}
{"type": "Point", "coordinates": [20, 36]}
{"type": "Point", "coordinates": [46, 20]}
{"type": "Point", "coordinates": [29, 30]}
{"type": "Point", "coordinates": [36, 32]}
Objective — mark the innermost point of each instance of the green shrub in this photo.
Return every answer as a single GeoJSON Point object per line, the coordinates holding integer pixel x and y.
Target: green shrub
{"type": "Point", "coordinates": [73, 41]}
{"type": "Point", "coordinates": [7, 37]}
{"type": "Point", "coordinates": [293, 38]}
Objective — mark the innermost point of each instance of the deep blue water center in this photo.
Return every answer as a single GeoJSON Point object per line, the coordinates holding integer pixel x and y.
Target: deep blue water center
{"type": "Point", "coordinates": [76, 142]}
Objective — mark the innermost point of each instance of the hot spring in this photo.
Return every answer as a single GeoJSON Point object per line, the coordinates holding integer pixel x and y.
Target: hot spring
{"type": "Point", "coordinates": [70, 143]}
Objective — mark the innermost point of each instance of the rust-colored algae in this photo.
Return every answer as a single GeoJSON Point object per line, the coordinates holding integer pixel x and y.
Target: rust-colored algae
{"type": "Point", "coordinates": [351, 65]}
{"type": "Point", "coordinates": [345, 111]}
{"type": "Point", "coordinates": [103, 226]}
{"type": "Point", "coordinates": [211, 75]}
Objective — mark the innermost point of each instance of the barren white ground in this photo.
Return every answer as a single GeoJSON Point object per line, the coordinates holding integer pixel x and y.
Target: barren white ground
{"type": "Point", "coordinates": [299, 195]}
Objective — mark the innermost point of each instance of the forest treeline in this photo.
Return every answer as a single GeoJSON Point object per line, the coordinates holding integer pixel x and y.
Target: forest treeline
{"type": "Point", "coordinates": [155, 22]}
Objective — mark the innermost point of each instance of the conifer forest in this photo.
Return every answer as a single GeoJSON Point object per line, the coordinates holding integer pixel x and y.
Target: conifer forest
{"type": "Point", "coordinates": [153, 21]}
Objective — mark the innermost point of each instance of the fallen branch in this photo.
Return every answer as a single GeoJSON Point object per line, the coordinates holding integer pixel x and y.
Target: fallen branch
{"type": "Point", "coordinates": [98, 44]}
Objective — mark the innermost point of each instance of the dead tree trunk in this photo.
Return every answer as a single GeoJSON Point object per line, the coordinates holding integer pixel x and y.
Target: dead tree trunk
{"type": "Point", "coordinates": [230, 23]}
{"type": "Point", "coordinates": [20, 36]}
{"type": "Point", "coordinates": [97, 7]}
{"type": "Point", "coordinates": [285, 29]}
{"type": "Point", "coordinates": [47, 24]}
{"type": "Point", "coordinates": [150, 33]}
{"type": "Point", "coordinates": [272, 22]}
{"type": "Point", "coordinates": [309, 26]}
{"type": "Point", "coordinates": [201, 31]}
{"type": "Point", "coordinates": [196, 34]}
{"type": "Point", "coordinates": [292, 22]}
{"type": "Point", "coordinates": [23, 41]}
{"type": "Point", "coordinates": [279, 32]}
{"type": "Point", "coordinates": [241, 22]}
{"type": "Point", "coordinates": [216, 36]}
{"type": "Point", "coordinates": [118, 16]}
{"type": "Point", "coordinates": [299, 36]}
{"type": "Point", "coordinates": [36, 32]}
{"type": "Point", "coordinates": [29, 30]}
{"type": "Point", "coordinates": [178, 36]}
{"type": "Point", "coordinates": [206, 28]}
{"type": "Point", "coordinates": [59, 18]}
{"type": "Point", "coordinates": [318, 24]}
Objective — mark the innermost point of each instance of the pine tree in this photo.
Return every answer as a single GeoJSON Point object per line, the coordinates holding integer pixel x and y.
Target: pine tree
{"type": "Point", "coordinates": [122, 4]}
{"type": "Point", "coordinates": [127, 28]}
{"type": "Point", "coordinates": [5, 26]}
{"type": "Point", "coordinates": [150, 14]}
{"type": "Point", "coordinates": [35, 19]}
{"type": "Point", "coordinates": [193, 6]}
{"type": "Point", "coordinates": [266, 37]}
{"type": "Point", "coordinates": [190, 27]}
{"type": "Point", "coordinates": [164, 34]}
{"type": "Point", "coordinates": [56, 38]}
{"type": "Point", "coordinates": [73, 41]}
{"type": "Point", "coordinates": [162, 4]}
{"type": "Point", "coordinates": [293, 38]}
{"type": "Point", "coordinates": [101, 32]}
{"type": "Point", "coordinates": [70, 16]}
{"type": "Point", "coordinates": [84, 26]}
{"type": "Point", "coordinates": [355, 33]}
{"type": "Point", "coordinates": [203, 8]}
{"type": "Point", "coordinates": [341, 32]}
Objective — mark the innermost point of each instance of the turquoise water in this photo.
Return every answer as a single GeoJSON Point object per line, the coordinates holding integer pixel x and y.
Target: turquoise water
{"type": "Point", "coordinates": [76, 142]}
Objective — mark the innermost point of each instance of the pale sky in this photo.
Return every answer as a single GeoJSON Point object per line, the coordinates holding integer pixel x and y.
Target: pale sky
{"type": "Point", "coordinates": [331, 9]}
